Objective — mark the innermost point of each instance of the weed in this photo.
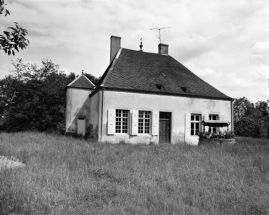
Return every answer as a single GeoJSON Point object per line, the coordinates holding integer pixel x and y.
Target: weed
{"type": "Point", "coordinates": [66, 175]}
{"type": "Point", "coordinates": [122, 142]}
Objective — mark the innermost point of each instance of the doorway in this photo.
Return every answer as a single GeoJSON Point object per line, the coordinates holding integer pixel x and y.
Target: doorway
{"type": "Point", "coordinates": [165, 127]}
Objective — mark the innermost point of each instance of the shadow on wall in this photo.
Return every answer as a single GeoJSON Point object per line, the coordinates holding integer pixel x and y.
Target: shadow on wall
{"type": "Point", "coordinates": [83, 112]}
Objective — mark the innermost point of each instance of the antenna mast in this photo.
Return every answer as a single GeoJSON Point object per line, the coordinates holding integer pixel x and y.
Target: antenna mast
{"type": "Point", "coordinates": [159, 32]}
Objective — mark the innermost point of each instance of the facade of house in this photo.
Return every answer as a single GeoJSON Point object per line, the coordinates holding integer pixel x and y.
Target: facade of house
{"type": "Point", "coordinates": [146, 98]}
{"type": "Point", "coordinates": [78, 105]}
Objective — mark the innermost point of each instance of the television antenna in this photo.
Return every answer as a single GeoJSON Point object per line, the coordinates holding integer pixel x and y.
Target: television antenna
{"type": "Point", "coordinates": [159, 32]}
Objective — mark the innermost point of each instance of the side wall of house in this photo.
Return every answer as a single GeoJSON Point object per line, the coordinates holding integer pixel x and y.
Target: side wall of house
{"type": "Point", "coordinates": [77, 105]}
{"type": "Point", "coordinates": [180, 108]}
{"type": "Point", "coordinates": [94, 115]}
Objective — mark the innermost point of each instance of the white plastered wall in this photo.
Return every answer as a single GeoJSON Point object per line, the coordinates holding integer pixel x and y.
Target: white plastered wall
{"type": "Point", "coordinates": [178, 106]}
{"type": "Point", "coordinates": [77, 104]}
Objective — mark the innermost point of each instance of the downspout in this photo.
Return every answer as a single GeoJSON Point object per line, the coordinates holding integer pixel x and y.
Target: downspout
{"type": "Point", "coordinates": [102, 113]}
{"type": "Point", "coordinates": [232, 116]}
{"type": "Point", "coordinates": [100, 116]}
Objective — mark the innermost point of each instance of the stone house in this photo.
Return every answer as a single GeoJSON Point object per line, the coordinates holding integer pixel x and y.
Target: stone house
{"type": "Point", "coordinates": [146, 98]}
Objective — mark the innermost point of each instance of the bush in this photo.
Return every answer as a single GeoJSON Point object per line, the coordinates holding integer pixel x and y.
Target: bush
{"type": "Point", "coordinates": [250, 127]}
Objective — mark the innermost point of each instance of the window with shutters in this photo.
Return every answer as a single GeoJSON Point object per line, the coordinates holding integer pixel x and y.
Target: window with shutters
{"type": "Point", "coordinates": [122, 121]}
{"type": "Point", "coordinates": [195, 124]}
{"type": "Point", "coordinates": [144, 122]}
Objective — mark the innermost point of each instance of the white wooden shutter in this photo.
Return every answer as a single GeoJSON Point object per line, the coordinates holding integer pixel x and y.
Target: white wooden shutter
{"type": "Point", "coordinates": [134, 130]}
{"type": "Point", "coordinates": [155, 123]}
{"type": "Point", "coordinates": [187, 126]}
{"type": "Point", "coordinates": [111, 118]}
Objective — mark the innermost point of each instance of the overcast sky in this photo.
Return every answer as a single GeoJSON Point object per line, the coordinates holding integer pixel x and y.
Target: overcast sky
{"type": "Point", "coordinates": [226, 43]}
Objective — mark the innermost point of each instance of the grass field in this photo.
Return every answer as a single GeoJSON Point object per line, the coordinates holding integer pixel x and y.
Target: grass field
{"type": "Point", "coordinates": [70, 176]}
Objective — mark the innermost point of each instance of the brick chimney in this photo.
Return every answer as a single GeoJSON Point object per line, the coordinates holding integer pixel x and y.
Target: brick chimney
{"type": "Point", "coordinates": [114, 46]}
{"type": "Point", "coordinates": [163, 49]}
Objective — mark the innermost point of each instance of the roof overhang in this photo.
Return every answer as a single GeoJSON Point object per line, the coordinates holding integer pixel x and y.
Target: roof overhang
{"type": "Point", "coordinates": [156, 92]}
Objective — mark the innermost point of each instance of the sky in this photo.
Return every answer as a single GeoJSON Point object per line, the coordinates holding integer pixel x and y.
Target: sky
{"type": "Point", "coordinates": [226, 43]}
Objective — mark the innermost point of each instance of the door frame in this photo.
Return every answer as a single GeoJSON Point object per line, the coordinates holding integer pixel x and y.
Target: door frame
{"type": "Point", "coordinates": [170, 124]}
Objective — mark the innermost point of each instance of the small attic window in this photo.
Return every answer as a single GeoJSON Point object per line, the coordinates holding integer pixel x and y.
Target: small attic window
{"type": "Point", "coordinates": [184, 89]}
{"type": "Point", "coordinates": [159, 86]}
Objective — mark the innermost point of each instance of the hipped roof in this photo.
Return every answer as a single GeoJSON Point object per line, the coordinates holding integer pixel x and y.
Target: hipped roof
{"type": "Point", "coordinates": [81, 82]}
{"type": "Point", "coordinates": [155, 73]}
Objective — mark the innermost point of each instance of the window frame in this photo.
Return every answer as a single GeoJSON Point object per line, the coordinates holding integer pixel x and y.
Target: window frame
{"type": "Point", "coordinates": [195, 123]}
{"type": "Point", "coordinates": [144, 118]}
{"type": "Point", "coordinates": [213, 129]}
{"type": "Point", "coordinates": [120, 119]}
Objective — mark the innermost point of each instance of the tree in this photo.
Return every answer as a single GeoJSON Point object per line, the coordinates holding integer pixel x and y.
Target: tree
{"type": "Point", "coordinates": [263, 108]}
{"type": "Point", "coordinates": [251, 127]}
{"type": "Point", "coordinates": [242, 107]}
{"type": "Point", "coordinates": [13, 38]}
{"type": "Point", "coordinates": [251, 119]}
{"type": "Point", "coordinates": [92, 78]}
{"type": "Point", "coordinates": [33, 97]}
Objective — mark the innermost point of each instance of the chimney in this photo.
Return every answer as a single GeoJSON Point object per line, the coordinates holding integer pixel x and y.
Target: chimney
{"type": "Point", "coordinates": [114, 46]}
{"type": "Point", "coordinates": [163, 49]}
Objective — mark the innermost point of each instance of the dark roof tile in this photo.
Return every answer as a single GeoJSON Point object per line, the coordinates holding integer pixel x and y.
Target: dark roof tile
{"type": "Point", "coordinates": [137, 70]}
{"type": "Point", "coordinates": [81, 82]}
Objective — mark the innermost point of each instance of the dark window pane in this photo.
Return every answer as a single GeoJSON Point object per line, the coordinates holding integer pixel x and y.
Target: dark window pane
{"type": "Point", "coordinates": [147, 131]}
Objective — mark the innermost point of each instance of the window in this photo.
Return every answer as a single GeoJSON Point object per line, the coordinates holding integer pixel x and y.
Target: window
{"type": "Point", "coordinates": [122, 121]}
{"type": "Point", "coordinates": [160, 87]}
{"type": "Point", "coordinates": [213, 129]}
{"type": "Point", "coordinates": [213, 117]}
{"type": "Point", "coordinates": [144, 122]}
{"type": "Point", "coordinates": [195, 124]}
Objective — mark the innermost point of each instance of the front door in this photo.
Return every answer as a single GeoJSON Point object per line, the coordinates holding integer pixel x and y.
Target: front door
{"type": "Point", "coordinates": [165, 127]}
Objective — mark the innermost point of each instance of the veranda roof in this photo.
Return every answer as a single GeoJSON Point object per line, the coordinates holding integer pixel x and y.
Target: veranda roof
{"type": "Point", "coordinates": [215, 123]}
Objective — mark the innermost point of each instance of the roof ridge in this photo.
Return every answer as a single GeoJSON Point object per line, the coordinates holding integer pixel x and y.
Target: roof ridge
{"type": "Point", "coordinates": [88, 80]}
{"type": "Point", "coordinates": [110, 67]}
{"type": "Point", "coordinates": [79, 83]}
{"type": "Point", "coordinates": [145, 52]}
{"type": "Point", "coordinates": [73, 81]}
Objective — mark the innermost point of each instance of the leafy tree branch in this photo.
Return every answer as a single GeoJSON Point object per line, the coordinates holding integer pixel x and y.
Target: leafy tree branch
{"type": "Point", "coordinates": [13, 38]}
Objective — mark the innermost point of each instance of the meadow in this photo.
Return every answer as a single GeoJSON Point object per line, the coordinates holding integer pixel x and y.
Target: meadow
{"type": "Point", "coordinates": [64, 175]}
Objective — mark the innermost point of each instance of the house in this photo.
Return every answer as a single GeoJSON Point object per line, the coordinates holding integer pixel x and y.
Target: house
{"type": "Point", "coordinates": [146, 98]}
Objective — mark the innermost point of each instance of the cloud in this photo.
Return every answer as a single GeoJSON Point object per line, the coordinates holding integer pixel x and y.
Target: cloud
{"type": "Point", "coordinates": [223, 42]}
{"type": "Point", "coordinates": [261, 47]}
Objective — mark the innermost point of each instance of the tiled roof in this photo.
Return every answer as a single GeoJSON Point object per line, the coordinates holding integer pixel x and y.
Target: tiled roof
{"type": "Point", "coordinates": [81, 82]}
{"type": "Point", "coordinates": [150, 72]}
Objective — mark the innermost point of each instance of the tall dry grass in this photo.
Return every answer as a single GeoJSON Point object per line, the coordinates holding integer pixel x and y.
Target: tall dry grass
{"type": "Point", "coordinates": [70, 176]}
